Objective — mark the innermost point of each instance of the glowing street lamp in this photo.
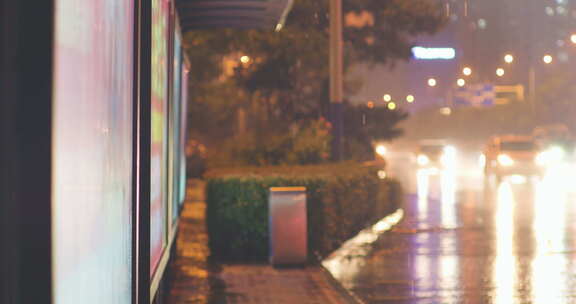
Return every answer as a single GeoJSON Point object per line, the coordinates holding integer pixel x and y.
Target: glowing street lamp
{"type": "Point", "coordinates": [573, 38]}
{"type": "Point", "coordinates": [370, 104]}
{"type": "Point", "coordinates": [391, 106]}
{"type": "Point", "coordinates": [445, 111]}
{"type": "Point", "coordinates": [508, 58]}
{"type": "Point", "coordinates": [500, 72]}
{"type": "Point", "coordinates": [410, 98]}
{"type": "Point", "coordinates": [432, 82]}
{"type": "Point", "coordinates": [245, 59]}
{"type": "Point", "coordinates": [387, 97]}
{"type": "Point", "coordinates": [461, 82]}
{"type": "Point", "coordinates": [547, 59]}
{"type": "Point", "coordinates": [467, 71]}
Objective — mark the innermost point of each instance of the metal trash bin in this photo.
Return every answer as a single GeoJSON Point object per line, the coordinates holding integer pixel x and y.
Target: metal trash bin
{"type": "Point", "coordinates": [288, 225]}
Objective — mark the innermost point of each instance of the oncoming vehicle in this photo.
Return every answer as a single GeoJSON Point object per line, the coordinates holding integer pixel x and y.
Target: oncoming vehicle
{"type": "Point", "coordinates": [434, 154]}
{"type": "Point", "coordinates": [512, 155]}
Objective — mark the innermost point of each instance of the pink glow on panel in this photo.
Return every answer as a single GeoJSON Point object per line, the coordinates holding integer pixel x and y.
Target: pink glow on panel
{"type": "Point", "coordinates": [92, 148]}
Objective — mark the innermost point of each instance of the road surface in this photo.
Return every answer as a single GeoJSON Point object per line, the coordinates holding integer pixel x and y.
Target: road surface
{"type": "Point", "coordinates": [464, 239]}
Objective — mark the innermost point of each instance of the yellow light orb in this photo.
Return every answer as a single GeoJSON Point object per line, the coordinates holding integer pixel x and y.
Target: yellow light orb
{"type": "Point", "coordinates": [461, 82]}
{"type": "Point", "coordinates": [547, 59]}
{"type": "Point", "coordinates": [410, 98]}
{"type": "Point", "coordinates": [381, 150]}
{"type": "Point", "coordinates": [387, 97]}
{"type": "Point", "coordinates": [245, 59]}
{"type": "Point", "coordinates": [445, 111]}
{"type": "Point", "coordinates": [432, 82]}
{"type": "Point", "coordinates": [509, 58]}
{"type": "Point", "coordinates": [467, 71]}
{"type": "Point", "coordinates": [573, 38]}
{"type": "Point", "coordinates": [391, 106]}
{"type": "Point", "coordinates": [500, 72]}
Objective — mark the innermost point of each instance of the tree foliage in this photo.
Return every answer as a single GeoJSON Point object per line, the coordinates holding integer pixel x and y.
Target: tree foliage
{"type": "Point", "coordinates": [286, 79]}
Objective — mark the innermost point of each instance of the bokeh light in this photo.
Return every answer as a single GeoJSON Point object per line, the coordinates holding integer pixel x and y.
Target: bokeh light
{"type": "Point", "coordinates": [245, 59]}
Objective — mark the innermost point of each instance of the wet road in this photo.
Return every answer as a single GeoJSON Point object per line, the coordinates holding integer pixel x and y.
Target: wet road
{"type": "Point", "coordinates": [467, 240]}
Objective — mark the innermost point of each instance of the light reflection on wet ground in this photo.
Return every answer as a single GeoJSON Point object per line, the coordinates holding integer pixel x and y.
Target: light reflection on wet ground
{"type": "Point", "coordinates": [464, 243]}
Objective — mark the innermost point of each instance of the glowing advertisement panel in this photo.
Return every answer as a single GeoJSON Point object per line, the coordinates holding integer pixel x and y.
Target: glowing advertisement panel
{"type": "Point", "coordinates": [92, 152]}
{"type": "Point", "coordinates": [177, 149]}
{"type": "Point", "coordinates": [424, 53]}
{"type": "Point", "coordinates": [158, 216]}
{"type": "Point", "coordinates": [183, 134]}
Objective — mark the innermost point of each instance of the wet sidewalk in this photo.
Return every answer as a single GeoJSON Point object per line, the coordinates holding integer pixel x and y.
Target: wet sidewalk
{"type": "Point", "coordinates": [194, 279]}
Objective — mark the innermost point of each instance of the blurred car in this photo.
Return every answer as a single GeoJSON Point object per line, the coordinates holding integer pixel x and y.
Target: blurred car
{"type": "Point", "coordinates": [435, 154]}
{"type": "Point", "coordinates": [512, 155]}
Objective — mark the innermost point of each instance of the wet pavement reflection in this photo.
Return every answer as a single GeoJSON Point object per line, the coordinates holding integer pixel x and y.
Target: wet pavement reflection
{"type": "Point", "coordinates": [466, 239]}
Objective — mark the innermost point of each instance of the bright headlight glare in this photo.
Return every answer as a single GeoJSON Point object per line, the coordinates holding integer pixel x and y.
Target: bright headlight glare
{"type": "Point", "coordinates": [505, 160]}
{"type": "Point", "coordinates": [444, 159]}
{"type": "Point", "coordinates": [423, 160]}
{"type": "Point", "coordinates": [541, 158]}
{"type": "Point", "coordinates": [450, 151]}
{"type": "Point", "coordinates": [556, 153]}
{"type": "Point", "coordinates": [482, 160]}
{"type": "Point", "coordinates": [552, 155]}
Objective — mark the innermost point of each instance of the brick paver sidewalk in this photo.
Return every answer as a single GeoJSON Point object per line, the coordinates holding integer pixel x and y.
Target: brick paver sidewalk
{"type": "Point", "coordinates": [194, 280]}
{"type": "Point", "coordinates": [262, 284]}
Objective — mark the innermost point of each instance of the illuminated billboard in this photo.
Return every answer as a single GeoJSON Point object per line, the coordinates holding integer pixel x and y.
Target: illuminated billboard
{"type": "Point", "coordinates": [92, 152]}
{"type": "Point", "coordinates": [158, 154]}
{"type": "Point", "coordinates": [430, 53]}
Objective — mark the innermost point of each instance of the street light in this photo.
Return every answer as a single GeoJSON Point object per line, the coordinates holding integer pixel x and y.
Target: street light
{"type": "Point", "coordinates": [410, 98]}
{"type": "Point", "coordinates": [508, 58]}
{"type": "Point", "coordinates": [432, 82]}
{"type": "Point", "coordinates": [467, 71]}
{"type": "Point", "coordinates": [370, 104]}
{"type": "Point", "coordinates": [392, 106]}
{"type": "Point", "coordinates": [387, 97]}
{"type": "Point", "coordinates": [547, 59]}
{"type": "Point", "coordinates": [500, 72]}
{"type": "Point", "coordinates": [573, 38]}
{"type": "Point", "coordinates": [445, 111]}
{"type": "Point", "coordinates": [461, 82]}
{"type": "Point", "coordinates": [245, 59]}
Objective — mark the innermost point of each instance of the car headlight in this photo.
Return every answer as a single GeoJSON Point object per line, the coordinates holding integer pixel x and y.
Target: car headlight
{"type": "Point", "coordinates": [423, 160]}
{"type": "Point", "coordinates": [505, 160]}
{"type": "Point", "coordinates": [552, 155]}
{"type": "Point", "coordinates": [448, 157]}
{"type": "Point", "coordinates": [482, 160]}
{"type": "Point", "coordinates": [542, 159]}
{"type": "Point", "coordinates": [450, 151]}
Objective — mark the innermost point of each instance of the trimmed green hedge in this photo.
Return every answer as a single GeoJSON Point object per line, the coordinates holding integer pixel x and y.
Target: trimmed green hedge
{"type": "Point", "coordinates": [342, 199]}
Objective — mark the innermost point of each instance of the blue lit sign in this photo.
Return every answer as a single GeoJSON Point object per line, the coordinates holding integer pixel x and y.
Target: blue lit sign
{"type": "Point", "coordinates": [433, 53]}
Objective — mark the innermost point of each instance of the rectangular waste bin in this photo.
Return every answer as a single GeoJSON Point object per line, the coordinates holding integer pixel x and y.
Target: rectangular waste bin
{"type": "Point", "coordinates": [288, 225]}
